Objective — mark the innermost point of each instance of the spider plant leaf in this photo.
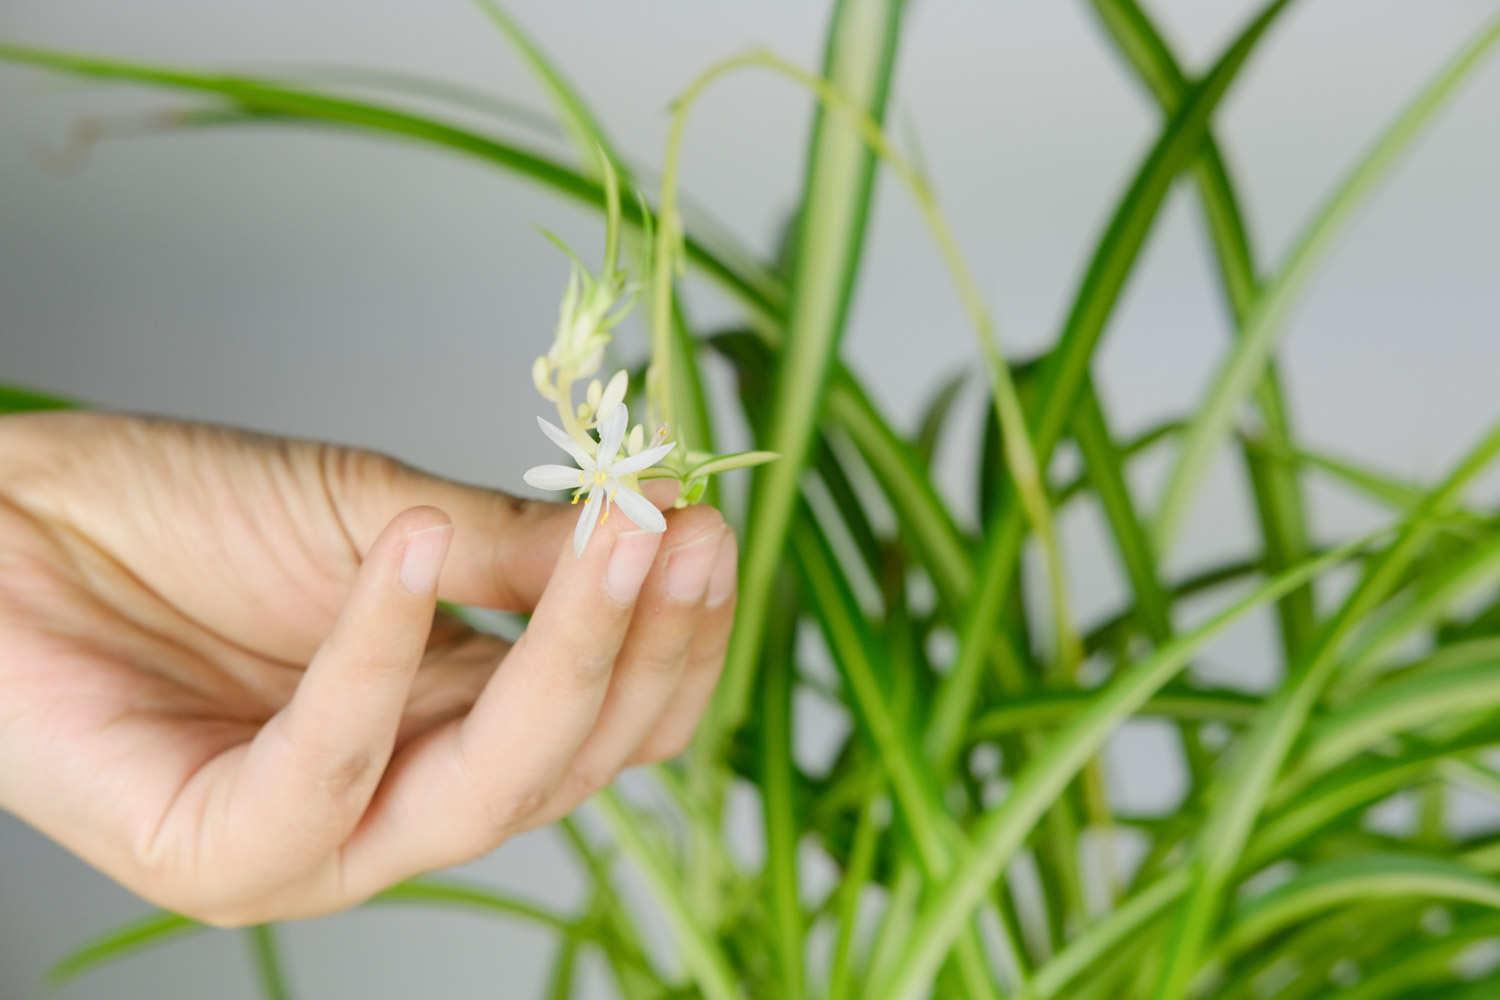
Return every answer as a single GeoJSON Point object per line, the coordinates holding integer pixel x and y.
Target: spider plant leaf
{"type": "Point", "coordinates": [838, 187]}
{"type": "Point", "coordinates": [1434, 593]}
{"type": "Point", "coordinates": [147, 932]}
{"type": "Point", "coordinates": [935, 415]}
{"type": "Point", "coordinates": [853, 880]}
{"type": "Point", "coordinates": [1242, 788]}
{"type": "Point", "coordinates": [1275, 489]}
{"type": "Point", "coordinates": [1340, 793]}
{"type": "Point", "coordinates": [1063, 373]}
{"type": "Point", "coordinates": [265, 953]}
{"type": "Point", "coordinates": [560, 980]}
{"type": "Point", "coordinates": [777, 780]}
{"type": "Point", "coordinates": [705, 960]}
{"type": "Point", "coordinates": [1401, 705]}
{"type": "Point", "coordinates": [859, 656]}
{"type": "Point", "coordinates": [730, 462]}
{"type": "Point", "coordinates": [467, 895]}
{"type": "Point", "coordinates": [1423, 962]}
{"type": "Point", "coordinates": [1105, 466]}
{"type": "Point", "coordinates": [18, 399]}
{"type": "Point", "coordinates": [1246, 361]}
{"type": "Point", "coordinates": [1105, 935]}
{"type": "Point", "coordinates": [263, 99]}
{"type": "Point", "coordinates": [1354, 880]}
{"type": "Point", "coordinates": [1001, 832]}
{"type": "Point", "coordinates": [581, 125]}
{"type": "Point", "coordinates": [1047, 709]}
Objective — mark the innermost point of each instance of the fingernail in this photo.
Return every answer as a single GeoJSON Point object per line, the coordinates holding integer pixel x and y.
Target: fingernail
{"type": "Point", "coordinates": [689, 565]}
{"type": "Point", "coordinates": [423, 559]}
{"type": "Point", "coordinates": [726, 572]}
{"type": "Point", "coordinates": [629, 563]}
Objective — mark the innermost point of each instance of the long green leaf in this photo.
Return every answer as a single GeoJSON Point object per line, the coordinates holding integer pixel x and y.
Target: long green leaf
{"type": "Point", "coordinates": [779, 815]}
{"type": "Point", "coordinates": [1002, 831]}
{"type": "Point", "coordinates": [1434, 594]}
{"type": "Point", "coordinates": [564, 968]}
{"type": "Point", "coordinates": [158, 928]}
{"type": "Point", "coordinates": [1244, 786]}
{"type": "Point", "coordinates": [1423, 962]}
{"type": "Point", "coordinates": [854, 878]}
{"type": "Point", "coordinates": [266, 954]}
{"type": "Point", "coordinates": [1403, 705]}
{"type": "Point", "coordinates": [705, 960]}
{"type": "Point", "coordinates": [1040, 709]}
{"type": "Point", "coordinates": [936, 413]}
{"type": "Point", "coordinates": [857, 655]}
{"type": "Point", "coordinates": [1354, 880]}
{"type": "Point", "coordinates": [275, 99]}
{"type": "Point", "coordinates": [1246, 362]}
{"type": "Point", "coordinates": [1338, 794]}
{"type": "Point", "coordinates": [15, 399]}
{"type": "Point", "coordinates": [584, 129]}
{"type": "Point", "coordinates": [1064, 372]}
{"type": "Point", "coordinates": [1277, 493]}
{"type": "Point", "coordinates": [837, 190]}
{"type": "Point", "coordinates": [1106, 471]}
{"type": "Point", "coordinates": [467, 895]}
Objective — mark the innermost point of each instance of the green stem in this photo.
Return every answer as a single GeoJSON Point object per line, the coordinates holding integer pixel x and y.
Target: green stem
{"type": "Point", "coordinates": [267, 957]}
{"type": "Point", "coordinates": [705, 961]}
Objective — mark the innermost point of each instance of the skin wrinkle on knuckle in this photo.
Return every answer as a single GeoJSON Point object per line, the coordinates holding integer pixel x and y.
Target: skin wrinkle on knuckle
{"type": "Point", "coordinates": [504, 815]}
{"type": "Point", "coordinates": [660, 659]}
{"type": "Point", "coordinates": [677, 743]}
{"type": "Point", "coordinates": [591, 778]}
{"type": "Point", "coordinates": [496, 813]}
{"type": "Point", "coordinates": [341, 773]}
{"type": "Point", "coordinates": [348, 774]}
{"type": "Point", "coordinates": [516, 520]}
{"type": "Point", "coordinates": [349, 477]}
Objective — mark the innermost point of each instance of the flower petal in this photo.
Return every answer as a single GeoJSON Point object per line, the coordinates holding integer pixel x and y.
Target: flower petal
{"type": "Point", "coordinates": [554, 477]}
{"type": "Point", "coordinates": [646, 459]}
{"type": "Point", "coordinates": [560, 437]}
{"type": "Point", "coordinates": [614, 393]}
{"type": "Point", "coordinates": [586, 521]}
{"type": "Point", "coordinates": [611, 432]}
{"type": "Point", "coordinates": [640, 510]}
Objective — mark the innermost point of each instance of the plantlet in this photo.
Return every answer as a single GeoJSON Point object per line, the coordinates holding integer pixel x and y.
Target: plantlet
{"type": "Point", "coordinates": [966, 813]}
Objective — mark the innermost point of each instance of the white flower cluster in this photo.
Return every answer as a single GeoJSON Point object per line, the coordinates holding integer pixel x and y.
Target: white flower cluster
{"type": "Point", "coordinates": [610, 456]}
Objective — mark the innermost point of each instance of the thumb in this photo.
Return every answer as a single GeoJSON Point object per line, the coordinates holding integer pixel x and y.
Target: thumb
{"type": "Point", "coordinates": [504, 547]}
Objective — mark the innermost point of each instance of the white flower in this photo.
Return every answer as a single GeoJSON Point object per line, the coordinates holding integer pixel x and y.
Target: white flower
{"type": "Point", "coordinates": [605, 477]}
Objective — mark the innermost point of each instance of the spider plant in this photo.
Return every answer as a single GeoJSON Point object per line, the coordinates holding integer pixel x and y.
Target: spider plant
{"type": "Point", "coordinates": [963, 871]}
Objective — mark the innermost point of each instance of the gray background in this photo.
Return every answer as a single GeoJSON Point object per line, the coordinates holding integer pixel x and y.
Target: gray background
{"type": "Point", "coordinates": [392, 296]}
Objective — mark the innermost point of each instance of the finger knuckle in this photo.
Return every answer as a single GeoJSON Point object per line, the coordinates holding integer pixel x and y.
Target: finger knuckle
{"type": "Point", "coordinates": [664, 745]}
{"type": "Point", "coordinates": [505, 813]}
{"type": "Point", "coordinates": [587, 668]}
{"type": "Point", "coordinates": [347, 774]}
{"type": "Point", "coordinates": [590, 779]}
{"type": "Point", "coordinates": [660, 663]}
{"type": "Point", "coordinates": [675, 744]}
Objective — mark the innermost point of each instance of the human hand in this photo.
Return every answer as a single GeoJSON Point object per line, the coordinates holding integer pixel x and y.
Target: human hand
{"type": "Point", "coordinates": [222, 684]}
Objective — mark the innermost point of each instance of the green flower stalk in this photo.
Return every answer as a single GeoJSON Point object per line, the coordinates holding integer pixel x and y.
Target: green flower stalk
{"type": "Point", "coordinates": [611, 457]}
